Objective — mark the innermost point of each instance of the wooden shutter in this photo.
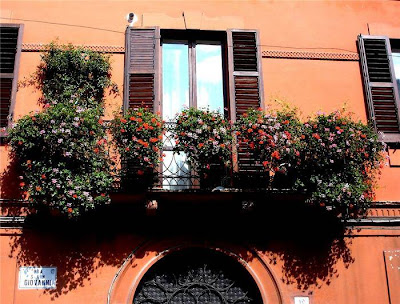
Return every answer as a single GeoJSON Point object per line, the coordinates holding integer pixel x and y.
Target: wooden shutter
{"type": "Point", "coordinates": [142, 68]}
{"type": "Point", "coordinates": [10, 50]}
{"type": "Point", "coordinates": [245, 85]}
{"type": "Point", "coordinates": [380, 85]}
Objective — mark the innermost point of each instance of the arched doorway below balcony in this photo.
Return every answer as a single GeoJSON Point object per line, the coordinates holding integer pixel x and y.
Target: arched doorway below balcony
{"type": "Point", "coordinates": [197, 276]}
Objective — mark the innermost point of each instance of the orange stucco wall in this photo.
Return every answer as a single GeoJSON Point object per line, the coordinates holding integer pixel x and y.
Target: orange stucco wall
{"type": "Point", "coordinates": [88, 263]}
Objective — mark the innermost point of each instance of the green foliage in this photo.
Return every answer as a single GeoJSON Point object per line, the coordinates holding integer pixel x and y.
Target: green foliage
{"type": "Point", "coordinates": [340, 159]}
{"type": "Point", "coordinates": [331, 157]}
{"type": "Point", "coordinates": [205, 137]}
{"type": "Point", "coordinates": [66, 72]}
{"type": "Point", "coordinates": [63, 149]}
{"type": "Point", "coordinates": [138, 137]}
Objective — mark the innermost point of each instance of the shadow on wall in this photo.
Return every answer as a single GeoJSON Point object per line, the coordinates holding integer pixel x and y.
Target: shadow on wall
{"type": "Point", "coordinates": [77, 254]}
{"type": "Point", "coordinates": [309, 244]}
{"type": "Point", "coordinates": [10, 182]}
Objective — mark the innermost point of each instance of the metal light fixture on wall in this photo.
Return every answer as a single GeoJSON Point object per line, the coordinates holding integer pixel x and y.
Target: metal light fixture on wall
{"type": "Point", "coordinates": [132, 18]}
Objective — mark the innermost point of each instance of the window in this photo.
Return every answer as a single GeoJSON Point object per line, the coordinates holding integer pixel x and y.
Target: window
{"type": "Point", "coordinates": [193, 71]}
{"type": "Point", "coordinates": [395, 46]}
{"type": "Point", "coordinates": [380, 63]}
{"type": "Point", "coordinates": [166, 70]}
{"type": "Point", "coordinates": [10, 43]}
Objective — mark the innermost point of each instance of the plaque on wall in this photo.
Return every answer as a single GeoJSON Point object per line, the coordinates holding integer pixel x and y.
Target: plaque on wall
{"type": "Point", "coordinates": [37, 277]}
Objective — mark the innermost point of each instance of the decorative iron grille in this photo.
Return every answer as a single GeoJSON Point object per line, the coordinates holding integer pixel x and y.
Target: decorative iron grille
{"type": "Point", "coordinates": [212, 281]}
{"type": "Point", "coordinates": [175, 171]}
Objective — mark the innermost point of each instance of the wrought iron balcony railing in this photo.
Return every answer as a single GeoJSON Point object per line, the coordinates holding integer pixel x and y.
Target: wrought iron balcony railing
{"type": "Point", "coordinates": [175, 173]}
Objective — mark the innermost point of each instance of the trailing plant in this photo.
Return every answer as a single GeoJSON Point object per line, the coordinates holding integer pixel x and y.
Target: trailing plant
{"type": "Point", "coordinates": [205, 137]}
{"type": "Point", "coordinates": [138, 138]}
{"type": "Point", "coordinates": [63, 149]}
{"type": "Point", "coordinates": [67, 71]}
{"type": "Point", "coordinates": [340, 159]}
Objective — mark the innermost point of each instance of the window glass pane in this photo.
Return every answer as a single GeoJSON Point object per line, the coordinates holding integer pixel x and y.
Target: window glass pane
{"type": "Point", "coordinates": [209, 77]}
{"type": "Point", "coordinates": [396, 63]}
{"type": "Point", "coordinates": [175, 65]}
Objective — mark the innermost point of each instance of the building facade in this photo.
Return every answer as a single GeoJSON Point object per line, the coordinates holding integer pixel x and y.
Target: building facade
{"type": "Point", "coordinates": [181, 246]}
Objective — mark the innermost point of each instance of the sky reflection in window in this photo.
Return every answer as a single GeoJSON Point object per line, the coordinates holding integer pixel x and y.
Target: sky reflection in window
{"type": "Point", "coordinates": [209, 77]}
{"type": "Point", "coordinates": [175, 66]}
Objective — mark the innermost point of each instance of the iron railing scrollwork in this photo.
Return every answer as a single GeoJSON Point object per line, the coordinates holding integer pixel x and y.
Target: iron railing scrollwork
{"type": "Point", "coordinates": [196, 286]}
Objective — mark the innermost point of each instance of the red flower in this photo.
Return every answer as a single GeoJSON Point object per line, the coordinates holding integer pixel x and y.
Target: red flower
{"type": "Point", "coordinates": [38, 188]}
{"type": "Point", "coordinates": [303, 136]}
{"type": "Point", "coordinates": [276, 155]}
{"type": "Point", "coordinates": [69, 210]}
{"type": "Point", "coordinates": [22, 184]}
{"type": "Point", "coordinates": [139, 114]}
{"type": "Point", "coordinates": [363, 136]}
{"type": "Point", "coordinates": [127, 149]}
{"type": "Point", "coordinates": [100, 121]}
{"type": "Point", "coordinates": [132, 118]}
{"type": "Point", "coordinates": [20, 142]}
{"type": "Point", "coordinates": [103, 194]}
{"type": "Point", "coordinates": [155, 149]}
{"type": "Point", "coordinates": [153, 140]}
{"type": "Point", "coordinates": [140, 172]}
{"type": "Point", "coordinates": [316, 136]}
{"type": "Point", "coordinates": [43, 176]}
{"type": "Point", "coordinates": [200, 145]}
{"type": "Point", "coordinates": [74, 196]}
{"type": "Point", "coordinates": [286, 122]}
{"type": "Point", "coordinates": [123, 130]}
{"type": "Point", "coordinates": [265, 163]}
{"type": "Point", "coordinates": [222, 145]}
{"type": "Point", "coordinates": [96, 150]}
{"type": "Point", "coordinates": [249, 130]}
{"type": "Point", "coordinates": [153, 120]}
{"type": "Point", "coordinates": [123, 120]}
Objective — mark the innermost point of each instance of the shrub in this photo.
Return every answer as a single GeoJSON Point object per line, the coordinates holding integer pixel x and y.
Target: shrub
{"type": "Point", "coordinates": [63, 149]}
{"type": "Point", "coordinates": [138, 138]}
{"type": "Point", "coordinates": [340, 159]}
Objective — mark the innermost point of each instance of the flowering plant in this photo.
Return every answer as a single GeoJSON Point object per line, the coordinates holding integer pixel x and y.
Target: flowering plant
{"type": "Point", "coordinates": [138, 138]}
{"type": "Point", "coordinates": [63, 156]}
{"type": "Point", "coordinates": [205, 137]}
{"type": "Point", "coordinates": [271, 139]}
{"type": "Point", "coordinates": [340, 159]}
{"type": "Point", "coordinates": [62, 150]}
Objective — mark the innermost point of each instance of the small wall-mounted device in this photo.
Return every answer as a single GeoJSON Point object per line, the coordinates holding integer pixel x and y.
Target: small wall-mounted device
{"type": "Point", "coordinates": [131, 18]}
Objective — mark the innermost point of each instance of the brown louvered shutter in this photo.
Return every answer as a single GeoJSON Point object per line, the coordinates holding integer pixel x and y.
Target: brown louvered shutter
{"type": "Point", "coordinates": [380, 85]}
{"type": "Point", "coordinates": [142, 64]}
{"type": "Point", "coordinates": [10, 50]}
{"type": "Point", "coordinates": [246, 86]}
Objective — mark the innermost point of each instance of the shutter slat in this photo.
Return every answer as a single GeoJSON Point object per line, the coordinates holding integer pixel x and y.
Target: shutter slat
{"type": "Point", "coordinates": [244, 57]}
{"type": "Point", "coordinates": [379, 84]}
{"type": "Point", "coordinates": [142, 68]}
{"type": "Point", "coordinates": [8, 42]}
{"type": "Point", "coordinates": [5, 100]}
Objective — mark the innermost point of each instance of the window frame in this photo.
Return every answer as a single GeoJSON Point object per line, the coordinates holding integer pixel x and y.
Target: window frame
{"type": "Point", "coordinates": [194, 38]}
{"type": "Point", "coordinates": [14, 75]}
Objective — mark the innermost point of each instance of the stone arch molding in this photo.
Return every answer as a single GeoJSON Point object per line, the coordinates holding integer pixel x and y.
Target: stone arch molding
{"type": "Point", "coordinates": [138, 263]}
